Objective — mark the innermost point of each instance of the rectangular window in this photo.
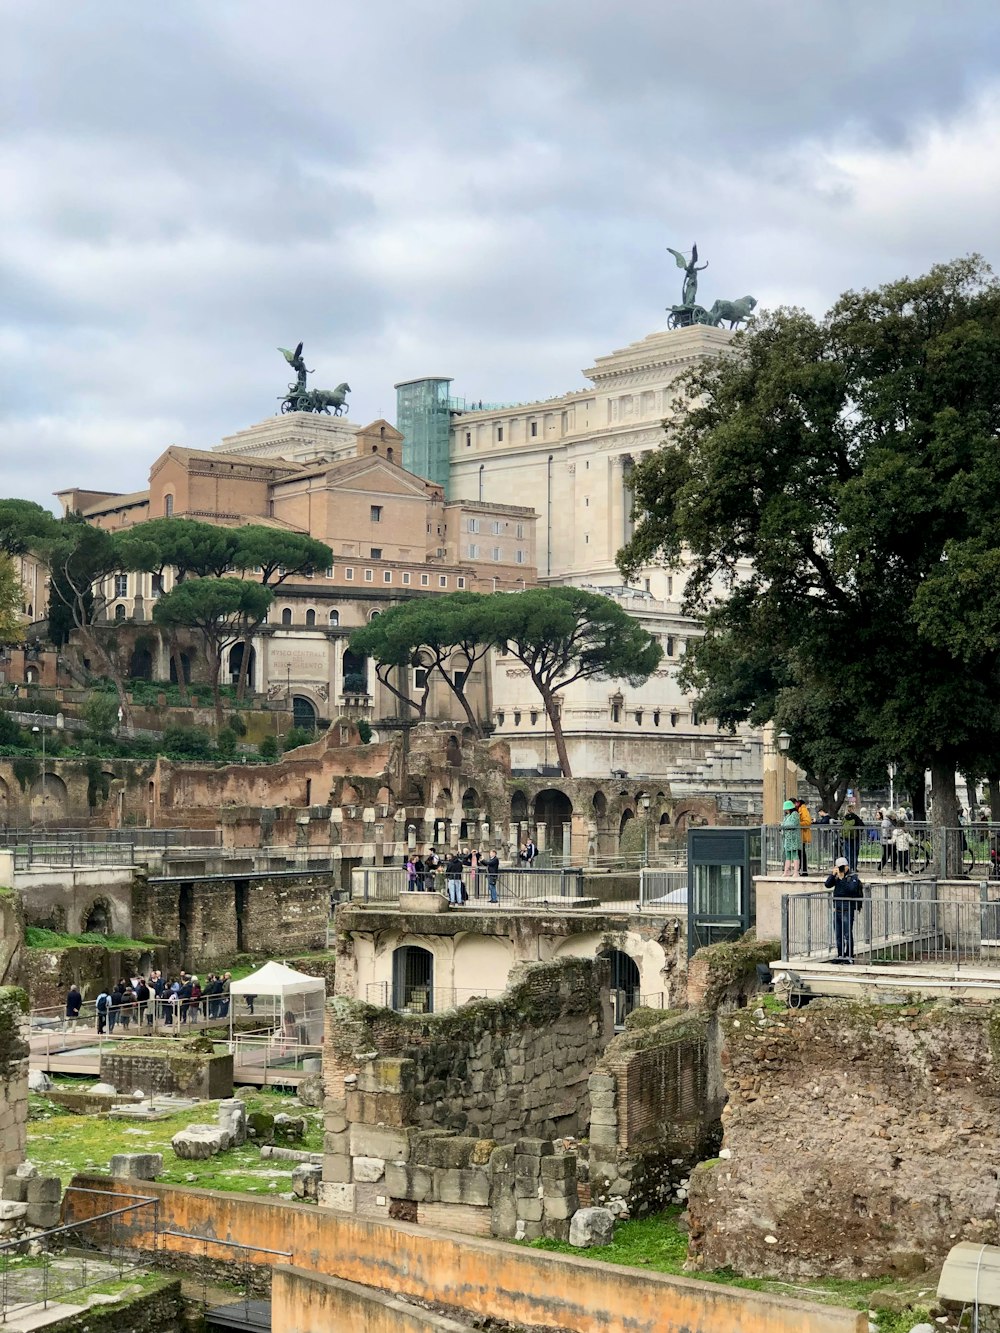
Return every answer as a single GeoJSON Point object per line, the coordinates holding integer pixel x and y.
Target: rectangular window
{"type": "Point", "coordinates": [670, 645]}
{"type": "Point", "coordinates": [386, 575]}
{"type": "Point", "coordinates": [497, 553]}
{"type": "Point", "coordinates": [121, 585]}
{"type": "Point", "coordinates": [349, 575]}
{"type": "Point", "coordinates": [157, 585]}
{"type": "Point", "coordinates": [520, 557]}
{"type": "Point", "coordinates": [500, 434]}
{"type": "Point", "coordinates": [460, 678]}
{"type": "Point", "coordinates": [442, 580]}
{"type": "Point", "coordinates": [376, 553]}
{"type": "Point", "coordinates": [329, 571]}
{"type": "Point", "coordinates": [424, 580]}
{"type": "Point", "coordinates": [519, 531]}
{"type": "Point", "coordinates": [420, 678]}
{"type": "Point", "coordinates": [376, 513]}
{"type": "Point", "coordinates": [406, 576]}
{"type": "Point", "coordinates": [468, 439]}
{"type": "Point", "coordinates": [534, 429]}
{"type": "Point", "coordinates": [473, 524]}
{"type": "Point", "coordinates": [497, 527]}
{"type": "Point", "coordinates": [461, 582]}
{"type": "Point", "coordinates": [473, 551]}
{"type": "Point", "coordinates": [369, 575]}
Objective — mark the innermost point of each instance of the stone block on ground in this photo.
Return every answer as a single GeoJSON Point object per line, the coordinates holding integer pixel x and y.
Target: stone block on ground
{"type": "Point", "coordinates": [290, 1128]}
{"type": "Point", "coordinates": [591, 1226]}
{"type": "Point", "coordinates": [198, 1142]}
{"type": "Point", "coordinates": [260, 1125]}
{"type": "Point", "coordinates": [306, 1179]}
{"type": "Point", "coordinates": [233, 1119]}
{"type": "Point", "coordinates": [44, 1215]}
{"type": "Point", "coordinates": [105, 1089]}
{"type": "Point", "coordinates": [137, 1165]}
{"type": "Point", "coordinates": [15, 1188]}
{"type": "Point", "coordinates": [44, 1189]}
{"type": "Point", "coordinates": [310, 1091]}
{"type": "Point", "coordinates": [25, 1170]}
{"type": "Point", "coordinates": [12, 1210]}
{"type": "Point", "coordinates": [38, 1080]}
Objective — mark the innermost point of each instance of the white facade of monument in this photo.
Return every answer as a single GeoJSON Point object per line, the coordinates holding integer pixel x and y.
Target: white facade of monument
{"type": "Point", "coordinates": [570, 458]}
{"type": "Point", "coordinates": [299, 437]}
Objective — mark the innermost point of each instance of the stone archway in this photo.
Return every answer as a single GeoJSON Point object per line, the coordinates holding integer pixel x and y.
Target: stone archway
{"type": "Point", "coordinates": [98, 919]}
{"type": "Point", "coordinates": [49, 799]}
{"type": "Point", "coordinates": [553, 813]}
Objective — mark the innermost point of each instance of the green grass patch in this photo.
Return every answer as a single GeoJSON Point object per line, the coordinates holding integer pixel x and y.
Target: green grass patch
{"type": "Point", "coordinates": [658, 1244]}
{"type": "Point", "coordinates": [63, 1144]}
{"type": "Point", "coordinates": [37, 937]}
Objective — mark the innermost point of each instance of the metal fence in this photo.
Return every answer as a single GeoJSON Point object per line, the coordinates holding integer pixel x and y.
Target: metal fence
{"type": "Point", "coordinates": [62, 1260]}
{"type": "Point", "coordinates": [11, 836]}
{"type": "Point", "coordinates": [427, 999]}
{"type": "Point", "coordinates": [664, 890]}
{"type": "Point", "coordinates": [904, 922]}
{"type": "Point", "coordinates": [72, 855]}
{"type": "Point", "coordinates": [514, 884]}
{"type": "Point", "coordinates": [972, 850]}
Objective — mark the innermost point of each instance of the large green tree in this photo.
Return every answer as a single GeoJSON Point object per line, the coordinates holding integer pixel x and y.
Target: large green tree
{"type": "Point", "coordinates": [25, 526]}
{"type": "Point", "coordinates": [82, 560]}
{"type": "Point", "coordinates": [444, 636]}
{"type": "Point", "coordinates": [813, 483]}
{"type": "Point", "coordinates": [220, 610]}
{"type": "Point", "coordinates": [567, 634]}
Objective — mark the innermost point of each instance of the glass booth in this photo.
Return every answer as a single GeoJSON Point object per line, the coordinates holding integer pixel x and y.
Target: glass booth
{"type": "Point", "coordinates": [722, 864]}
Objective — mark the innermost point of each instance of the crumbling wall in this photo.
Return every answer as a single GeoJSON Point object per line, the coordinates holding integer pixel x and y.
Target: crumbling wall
{"type": "Point", "coordinates": [493, 1072]}
{"type": "Point", "coordinates": [856, 1138]}
{"type": "Point", "coordinates": [13, 1078]}
{"type": "Point", "coordinates": [656, 1099]}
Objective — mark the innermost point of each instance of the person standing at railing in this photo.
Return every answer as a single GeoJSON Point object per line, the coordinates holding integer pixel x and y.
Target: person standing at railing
{"type": "Point", "coordinates": [852, 824]}
{"type": "Point", "coordinates": [885, 831]}
{"type": "Point", "coordinates": [412, 882]}
{"type": "Point", "coordinates": [453, 874]}
{"type": "Point", "coordinates": [805, 824]}
{"type": "Point", "coordinates": [101, 1009]}
{"type": "Point", "coordinates": [74, 1001]}
{"type": "Point", "coordinates": [141, 1000]}
{"type": "Point", "coordinates": [493, 875]}
{"type": "Point", "coordinates": [848, 896]}
{"type": "Point", "coordinates": [227, 981]}
{"type": "Point", "coordinates": [902, 842]}
{"type": "Point", "coordinates": [432, 863]}
{"type": "Point", "coordinates": [791, 840]}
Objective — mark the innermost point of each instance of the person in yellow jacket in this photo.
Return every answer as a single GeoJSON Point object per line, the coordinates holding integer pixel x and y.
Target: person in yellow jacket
{"type": "Point", "coordinates": [805, 823]}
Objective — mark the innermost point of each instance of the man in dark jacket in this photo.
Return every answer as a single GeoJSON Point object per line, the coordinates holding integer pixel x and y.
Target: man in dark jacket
{"type": "Point", "coordinates": [141, 1001]}
{"type": "Point", "coordinates": [73, 1001]}
{"type": "Point", "coordinates": [847, 899]}
{"type": "Point", "coordinates": [453, 874]}
{"type": "Point", "coordinates": [493, 875]}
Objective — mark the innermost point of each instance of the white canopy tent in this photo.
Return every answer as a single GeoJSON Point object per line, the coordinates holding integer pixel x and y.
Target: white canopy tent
{"type": "Point", "coordinates": [291, 1000]}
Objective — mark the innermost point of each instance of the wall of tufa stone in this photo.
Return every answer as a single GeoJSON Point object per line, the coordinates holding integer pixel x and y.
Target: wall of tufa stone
{"type": "Point", "coordinates": [13, 1078]}
{"type": "Point", "coordinates": [856, 1139]}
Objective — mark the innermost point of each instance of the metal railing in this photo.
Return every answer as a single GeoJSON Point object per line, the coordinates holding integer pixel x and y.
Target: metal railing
{"type": "Point", "coordinates": [515, 884]}
{"type": "Point", "coordinates": [272, 1057]}
{"type": "Point", "coordinates": [14, 836]}
{"type": "Point", "coordinates": [896, 923]}
{"type": "Point", "coordinates": [971, 850]}
{"type": "Point", "coordinates": [61, 1260]}
{"type": "Point", "coordinates": [72, 855]}
{"type": "Point", "coordinates": [664, 890]}
{"type": "Point", "coordinates": [426, 999]}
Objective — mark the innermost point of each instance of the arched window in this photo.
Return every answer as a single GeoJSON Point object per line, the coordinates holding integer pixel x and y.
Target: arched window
{"type": "Point", "coordinates": [334, 617]}
{"type": "Point", "coordinates": [310, 617]}
{"type": "Point", "coordinates": [355, 673]}
{"type": "Point", "coordinates": [303, 712]}
{"type": "Point", "coordinates": [286, 615]}
{"type": "Point", "coordinates": [119, 612]}
{"type": "Point", "coordinates": [168, 505]}
{"type": "Point", "coordinates": [413, 980]}
{"type": "Point", "coordinates": [373, 615]}
{"type": "Point", "coordinates": [388, 454]}
{"type": "Point", "coordinates": [624, 985]}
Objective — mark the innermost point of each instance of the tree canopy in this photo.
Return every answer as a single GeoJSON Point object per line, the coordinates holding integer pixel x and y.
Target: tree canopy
{"type": "Point", "coordinates": [25, 526]}
{"type": "Point", "coordinates": [830, 489]}
{"type": "Point", "coordinates": [278, 554]}
{"type": "Point", "coordinates": [567, 634]}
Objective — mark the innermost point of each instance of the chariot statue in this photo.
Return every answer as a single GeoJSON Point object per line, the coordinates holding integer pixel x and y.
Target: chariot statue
{"type": "Point", "coordinates": [300, 398]}
{"type": "Point", "coordinates": [690, 312]}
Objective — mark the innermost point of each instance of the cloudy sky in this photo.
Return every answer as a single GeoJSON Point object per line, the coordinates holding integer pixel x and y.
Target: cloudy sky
{"type": "Point", "coordinates": [443, 187]}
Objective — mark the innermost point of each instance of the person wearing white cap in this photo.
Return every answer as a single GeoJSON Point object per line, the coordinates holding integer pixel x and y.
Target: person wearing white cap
{"type": "Point", "coordinates": [848, 896]}
{"type": "Point", "coordinates": [791, 840]}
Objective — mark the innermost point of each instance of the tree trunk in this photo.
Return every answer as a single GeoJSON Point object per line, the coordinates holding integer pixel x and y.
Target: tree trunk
{"type": "Point", "coordinates": [945, 818]}
{"type": "Point", "coordinates": [551, 708]}
{"type": "Point", "coordinates": [113, 671]}
{"type": "Point", "coordinates": [241, 684]}
{"type": "Point", "coordinates": [215, 663]}
{"type": "Point", "coordinates": [403, 698]}
{"type": "Point", "coordinates": [175, 657]}
{"type": "Point", "coordinates": [466, 707]}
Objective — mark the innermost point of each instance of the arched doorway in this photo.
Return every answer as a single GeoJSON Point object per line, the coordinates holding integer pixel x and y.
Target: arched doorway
{"type": "Point", "coordinates": [236, 663]}
{"type": "Point", "coordinates": [624, 985]}
{"type": "Point", "coordinates": [140, 666]}
{"type": "Point", "coordinates": [303, 712]}
{"type": "Point", "coordinates": [355, 673]}
{"type": "Point", "coordinates": [553, 812]}
{"type": "Point", "coordinates": [413, 980]}
{"type": "Point", "coordinates": [97, 919]}
{"type": "Point", "coordinates": [453, 754]}
{"type": "Point", "coordinates": [185, 668]}
{"type": "Point", "coordinates": [470, 808]}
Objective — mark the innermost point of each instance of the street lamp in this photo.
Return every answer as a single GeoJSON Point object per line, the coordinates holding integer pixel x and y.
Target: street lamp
{"type": "Point", "coordinates": [783, 741]}
{"type": "Point", "coordinates": [644, 802]}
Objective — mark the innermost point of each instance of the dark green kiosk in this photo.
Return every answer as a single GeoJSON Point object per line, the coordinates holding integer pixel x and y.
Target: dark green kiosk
{"type": "Point", "coordinates": [722, 864]}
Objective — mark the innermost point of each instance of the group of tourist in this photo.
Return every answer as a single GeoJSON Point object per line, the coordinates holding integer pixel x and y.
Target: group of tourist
{"type": "Point", "coordinates": [797, 823]}
{"type": "Point", "coordinates": [181, 999]}
{"type": "Point", "coordinates": [460, 872]}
